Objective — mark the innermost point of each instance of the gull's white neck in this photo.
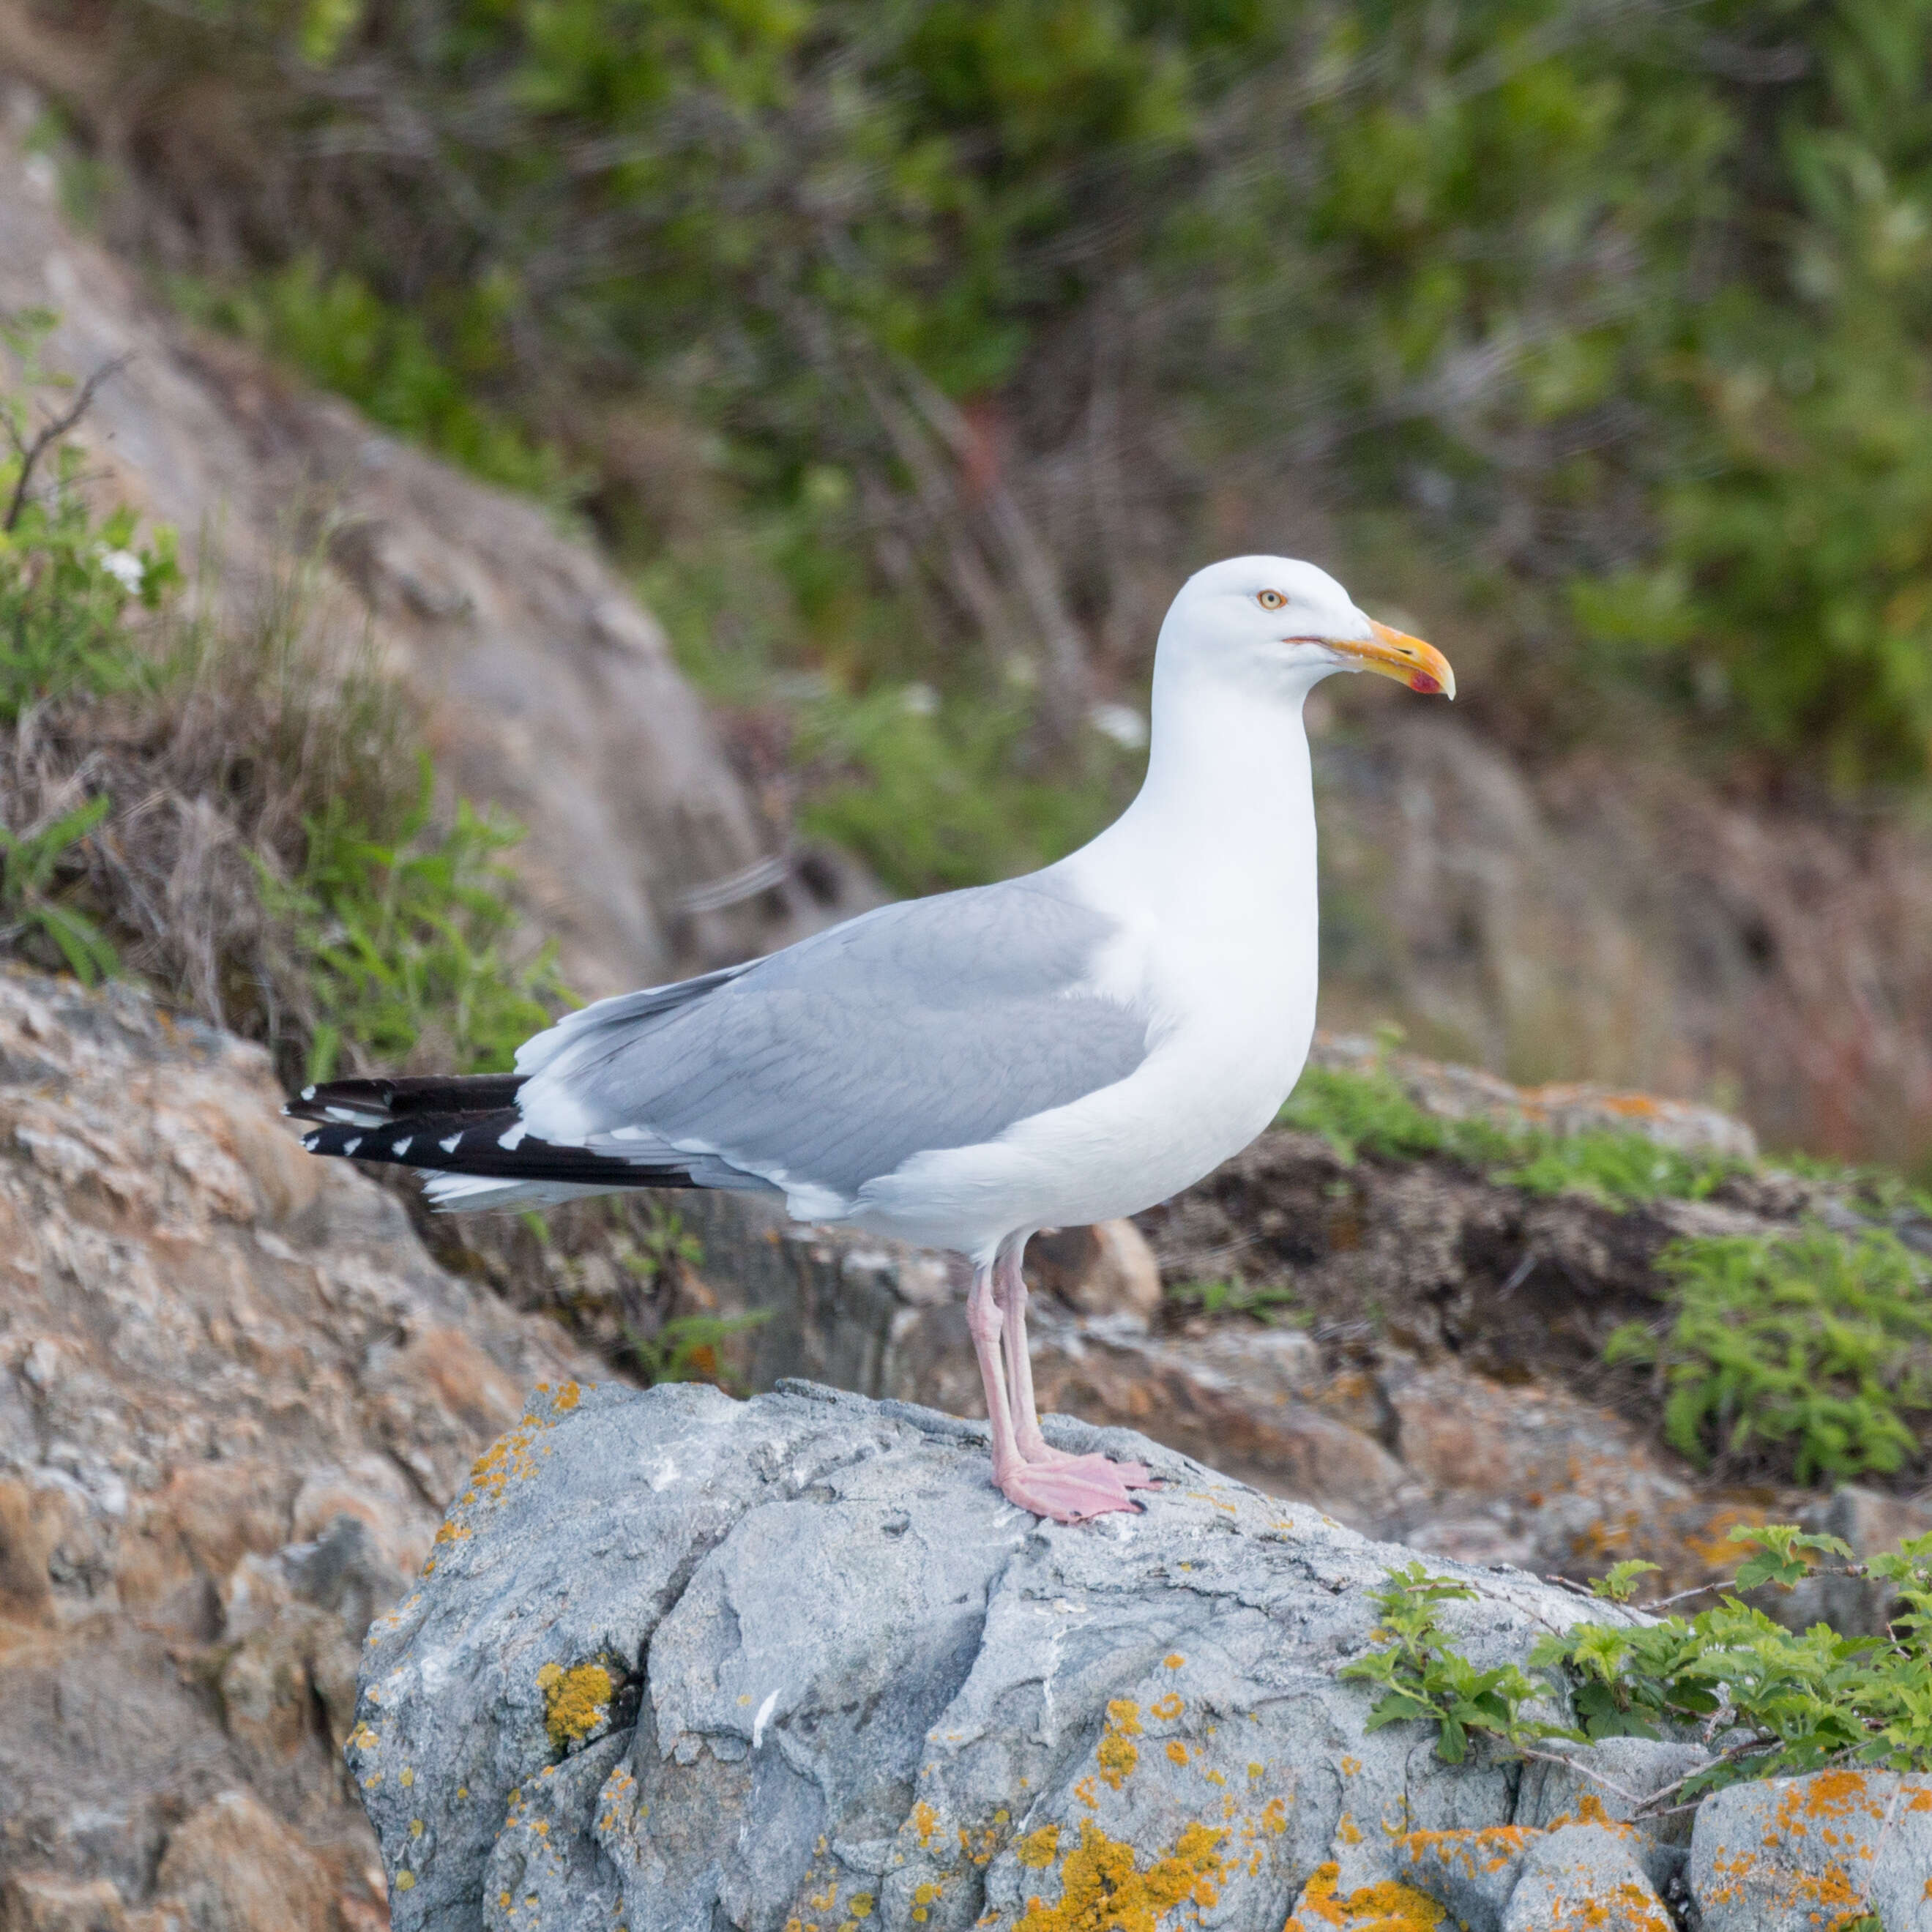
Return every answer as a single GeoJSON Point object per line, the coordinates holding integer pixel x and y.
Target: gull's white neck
{"type": "Point", "coordinates": [1222, 830]}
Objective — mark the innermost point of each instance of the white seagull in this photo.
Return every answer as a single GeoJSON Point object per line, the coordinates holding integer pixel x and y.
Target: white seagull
{"type": "Point", "coordinates": [962, 1071]}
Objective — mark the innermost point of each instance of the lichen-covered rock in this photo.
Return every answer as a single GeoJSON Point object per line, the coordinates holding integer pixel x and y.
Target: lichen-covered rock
{"type": "Point", "coordinates": [678, 1661]}
{"type": "Point", "coordinates": [235, 1395]}
{"type": "Point", "coordinates": [1793, 1854]}
{"type": "Point", "coordinates": [1585, 1878]}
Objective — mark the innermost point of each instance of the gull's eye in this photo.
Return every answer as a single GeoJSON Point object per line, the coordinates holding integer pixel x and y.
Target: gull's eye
{"type": "Point", "coordinates": [1269, 600]}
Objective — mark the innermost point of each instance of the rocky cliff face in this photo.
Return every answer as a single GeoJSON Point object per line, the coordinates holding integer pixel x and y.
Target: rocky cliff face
{"type": "Point", "coordinates": [547, 691]}
{"type": "Point", "coordinates": [235, 1399]}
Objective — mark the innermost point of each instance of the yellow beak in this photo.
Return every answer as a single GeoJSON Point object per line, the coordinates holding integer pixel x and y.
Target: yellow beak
{"type": "Point", "coordinates": [1406, 659]}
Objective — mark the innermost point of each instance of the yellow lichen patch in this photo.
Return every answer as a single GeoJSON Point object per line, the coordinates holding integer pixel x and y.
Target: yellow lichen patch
{"type": "Point", "coordinates": [452, 1532]}
{"type": "Point", "coordinates": [1174, 1660]}
{"type": "Point", "coordinates": [925, 1822]}
{"type": "Point", "coordinates": [1390, 1906]}
{"type": "Point", "coordinates": [924, 1898]}
{"type": "Point", "coordinates": [405, 1881]}
{"type": "Point", "coordinates": [1274, 1817]}
{"type": "Point", "coordinates": [861, 1905]}
{"type": "Point", "coordinates": [1102, 1890]}
{"type": "Point", "coordinates": [576, 1701]}
{"type": "Point", "coordinates": [1168, 1707]}
{"type": "Point", "coordinates": [1117, 1754]}
{"type": "Point", "coordinates": [1038, 1849]}
{"type": "Point", "coordinates": [1176, 1751]}
{"type": "Point", "coordinates": [566, 1398]}
{"type": "Point", "coordinates": [1490, 1850]}
{"type": "Point", "coordinates": [1348, 1831]}
{"type": "Point", "coordinates": [509, 1459]}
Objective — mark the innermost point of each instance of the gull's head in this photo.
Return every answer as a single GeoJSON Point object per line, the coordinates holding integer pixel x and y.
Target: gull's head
{"type": "Point", "coordinates": [1279, 627]}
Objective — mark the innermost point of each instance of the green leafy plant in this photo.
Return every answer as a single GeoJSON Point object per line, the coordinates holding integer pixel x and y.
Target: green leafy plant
{"type": "Point", "coordinates": [1785, 1701]}
{"type": "Point", "coordinates": [30, 903]}
{"type": "Point", "coordinates": [1422, 1678]}
{"type": "Point", "coordinates": [1782, 1701]}
{"type": "Point", "coordinates": [1813, 1349]}
{"type": "Point", "coordinates": [407, 934]}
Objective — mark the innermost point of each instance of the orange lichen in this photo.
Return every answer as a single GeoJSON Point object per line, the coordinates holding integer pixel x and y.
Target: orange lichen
{"type": "Point", "coordinates": [1176, 1751]}
{"type": "Point", "coordinates": [1038, 1849]}
{"type": "Point", "coordinates": [1168, 1707]}
{"type": "Point", "coordinates": [925, 1822]}
{"type": "Point", "coordinates": [1174, 1660]}
{"type": "Point", "coordinates": [1490, 1850]}
{"type": "Point", "coordinates": [1102, 1889]}
{"type": "Point", "coordinates": [576, 1701]}
{"type": "Point", "coordinates": [1117, 1755]}
{"type": "Point", "coordinates": [924, 1898]}
{"type": "Point", "coordinates": [1348, 1831]}
{"type": "Point", "coordinates": [1389, 1906]}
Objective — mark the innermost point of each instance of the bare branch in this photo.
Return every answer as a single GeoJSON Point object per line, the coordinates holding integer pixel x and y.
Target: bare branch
{"type": "Point", "coordinates": [52, 432]}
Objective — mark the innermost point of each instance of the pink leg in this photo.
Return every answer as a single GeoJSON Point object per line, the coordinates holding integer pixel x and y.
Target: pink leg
{"type": "Point", "coordinates": [1009, 1290]}
{"type": "Point", "coordinates": [1066, 1493]}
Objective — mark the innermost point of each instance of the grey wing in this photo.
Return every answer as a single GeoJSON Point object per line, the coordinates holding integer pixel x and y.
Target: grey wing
{"type": "Point", "coordinates": [938, 1023]}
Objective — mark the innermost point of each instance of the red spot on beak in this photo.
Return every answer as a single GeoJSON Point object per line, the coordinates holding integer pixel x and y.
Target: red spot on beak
{"type": "Point", "coordinates": [1423, 682]}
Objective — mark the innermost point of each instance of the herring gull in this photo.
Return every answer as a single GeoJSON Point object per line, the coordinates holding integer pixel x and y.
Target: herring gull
{"type": "Point", "coordinates": [962, 1071]}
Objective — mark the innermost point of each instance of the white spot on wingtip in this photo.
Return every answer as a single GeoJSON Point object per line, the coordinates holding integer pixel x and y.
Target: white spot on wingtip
{"type": "Point", "coordinates": [509, 1138]}
{"type": "Point", "coordinates": [308, 1093]}
{"type": "Point", "coordinates": [449, 1145]}
{"type": "Point", "coordinates": [403, 1145]}
{"type": "Point", "coordinates": [354, 1141]}
{"type": "Point", "coordinates": [765, 1711]}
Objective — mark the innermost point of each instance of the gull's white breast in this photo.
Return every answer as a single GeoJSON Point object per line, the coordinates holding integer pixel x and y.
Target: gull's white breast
{"type": "Point", "coordinates": [1228, 979]}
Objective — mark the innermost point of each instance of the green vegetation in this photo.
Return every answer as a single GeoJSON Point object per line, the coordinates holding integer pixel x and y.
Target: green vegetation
{"type": "Point", "coordinates": [1810, 1350]}
{"type": "Point", "coordinates": [1425, 1679]}
{"type": "Point", "coordinates": [1268, 1302]}
{"type": "Point", "coordinates": [971, 326]}
{"type": "Point", "coordinates": [1371, 1113]}
{"type": "Point", "coordinates": [384, 930]}
{"type": "Point", "coordinates": [31, 904]}
{"type": "Point", "coordinates": [1787, 1702]}
{"type": "Point", "coordinates": [407, 936]}
{"type": "Point", "coordinates": [383, 359]}
{"type": "Point", "coordinates": [68, 581]}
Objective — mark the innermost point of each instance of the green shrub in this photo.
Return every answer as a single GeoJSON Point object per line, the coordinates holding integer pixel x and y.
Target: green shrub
{"type": "Point", "coordinates": [1638, 321]}
{"type": "Point", "coordinates": [1810, 1349]}
{"type": "Point", "coordinates": [385, 359]}
{"type": "Point", "coordinates": [408, 935]}
{"type": "Point", "coordinates": [1803, 1701]}
{"type": "Point", "coordinates": [1789, 1703]}
{"type": "Point", "coordinates": [70, 582]}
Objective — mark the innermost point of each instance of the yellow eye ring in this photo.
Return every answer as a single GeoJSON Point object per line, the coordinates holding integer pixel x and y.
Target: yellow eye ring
{"type": "Point", "coordinates": [1269, 600]}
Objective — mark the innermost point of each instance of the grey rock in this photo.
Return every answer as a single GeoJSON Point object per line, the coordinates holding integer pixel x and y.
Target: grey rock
{"type": "Point", "coordinates": [1585, 1878]}
{"type": "Point", "coordinates": [1789, 1854]}
{"type": "Point", "coordinates": [679, 1661]}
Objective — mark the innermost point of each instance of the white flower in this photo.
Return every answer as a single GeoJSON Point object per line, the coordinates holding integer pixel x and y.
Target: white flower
{"type": "Point", "coordinates": [1120, 722]}
{"type": "Point", "coordinates": [125, 568]}
{"type": "Point", "coordinates": [920, 700]}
